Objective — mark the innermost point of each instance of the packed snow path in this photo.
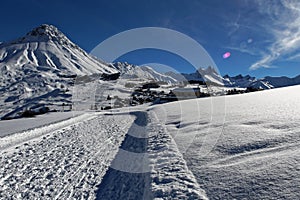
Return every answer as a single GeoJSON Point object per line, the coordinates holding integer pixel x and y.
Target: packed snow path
{"type": "Point", "coordinates": [64, 164]}
{"type": "Point", "coordinates": [90, 159]}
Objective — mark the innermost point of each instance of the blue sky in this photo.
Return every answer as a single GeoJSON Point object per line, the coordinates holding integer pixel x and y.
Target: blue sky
{"type": "Point", "coordinates": [263, 36]}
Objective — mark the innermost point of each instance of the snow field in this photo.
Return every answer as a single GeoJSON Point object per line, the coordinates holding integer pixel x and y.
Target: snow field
{"type": "Point", "coordinates": [257, 154]}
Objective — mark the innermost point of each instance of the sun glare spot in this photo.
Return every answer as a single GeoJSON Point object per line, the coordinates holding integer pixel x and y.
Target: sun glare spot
{"type": "Point", "coordinates": [226, 55]}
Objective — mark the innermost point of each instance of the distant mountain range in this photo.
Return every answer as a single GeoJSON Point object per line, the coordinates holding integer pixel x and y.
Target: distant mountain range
{"type": "Point", "coordinates": [209, 74]}
{"type": "Point", "coordinates": [267, 82]}
{"type": "Point", "coordinates": [39, 69]}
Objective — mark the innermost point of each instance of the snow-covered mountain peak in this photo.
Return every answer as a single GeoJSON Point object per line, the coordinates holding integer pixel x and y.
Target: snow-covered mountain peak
{"type": "Point", "coordinates": [47, 33]}
{"type": "Point", "coordinates": [208, 75]}
{"type": "Point", "coordinates": [240, 76]}
{"type": "Point", "coordinates": [45, 29]}
{"type": "Point", "coordinates": [39, 68]}
{"type": "Point", "coordinates": [47, 46]}
{"type": "Point", "coordinates": [207, 70]}
{"type": "Point", "coordinates": [44, 33]}
{"type": "Point", "coordinates": [130, 71]}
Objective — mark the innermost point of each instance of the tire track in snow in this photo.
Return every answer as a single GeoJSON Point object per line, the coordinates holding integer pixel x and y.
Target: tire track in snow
{"type": "Point", "coordinates": [159, 172]}
{"type": "Point", "coordinates": [127, 177]}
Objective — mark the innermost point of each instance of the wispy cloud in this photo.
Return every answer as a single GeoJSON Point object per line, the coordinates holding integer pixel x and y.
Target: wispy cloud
{"type": "Point", "coordinates": [295, 57]}
{"type": "Point", "coordinates": [253, 52]}
{"type": "Point", "coordinates": [235, 25]}
{"type": "Point", "coordinates": [284, 26]}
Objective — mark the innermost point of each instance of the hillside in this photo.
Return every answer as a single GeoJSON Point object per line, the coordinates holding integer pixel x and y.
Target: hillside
{"type": "Point", "coordinates": [39, 70]}
{"type": "Point", "coordinates": [240, 147]}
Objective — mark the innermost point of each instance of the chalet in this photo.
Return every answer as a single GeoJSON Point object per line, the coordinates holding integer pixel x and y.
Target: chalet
{"type": "Point", "coordinates": [187, 93]}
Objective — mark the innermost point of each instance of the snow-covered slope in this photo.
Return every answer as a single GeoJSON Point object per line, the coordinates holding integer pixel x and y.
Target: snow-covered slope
{"type": "Point", "coordinates": [38, 69]}
{"type": "Point", "coordinates": [129, 71]}
{"type": "Point", "coordinates": [207, 75]}
{"type": "Point", "coordinates": [48, 47]}
{"type": "Point", "coordinates": [254, 152]}
{"type": "Point", "coordinates": [119, 155]}
{"type": "Point", "coordinates": [181, 150]}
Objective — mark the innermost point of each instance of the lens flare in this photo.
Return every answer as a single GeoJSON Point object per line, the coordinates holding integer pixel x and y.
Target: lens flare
{"type": "Point", "coordinates": [226, 55]}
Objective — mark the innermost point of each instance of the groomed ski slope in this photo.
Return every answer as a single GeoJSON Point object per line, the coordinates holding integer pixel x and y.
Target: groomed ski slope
{"type": "Point", "coordinates": [68, 163]}
{"type": "Point", "coordinates": [105, 156]}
